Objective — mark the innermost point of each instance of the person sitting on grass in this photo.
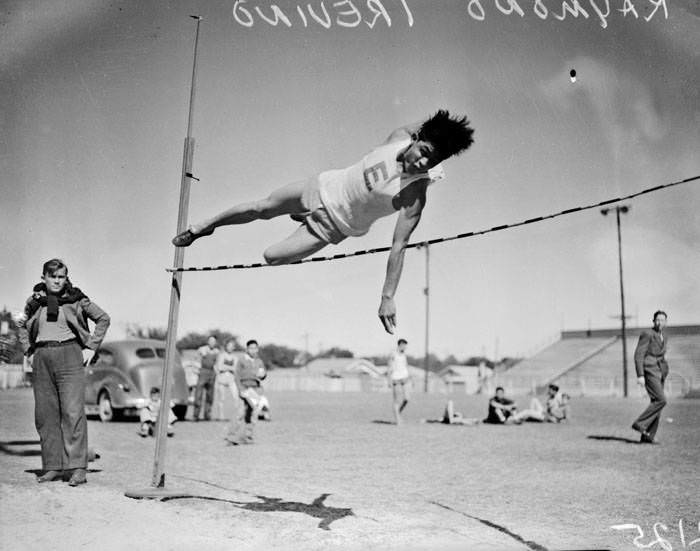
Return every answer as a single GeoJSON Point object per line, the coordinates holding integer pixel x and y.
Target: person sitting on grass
{"type": "Point", "coordinates": [149, 415]}
{"type": "Point", "coordinates": [501, 409]}
{"type": "Point", "coordinates": [556, 410]}
{"type": "Point", "coordinates": [452, 417]}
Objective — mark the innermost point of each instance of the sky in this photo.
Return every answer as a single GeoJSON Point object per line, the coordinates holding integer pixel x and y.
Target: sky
{"type": "Point", "coordinates": [93, 106]}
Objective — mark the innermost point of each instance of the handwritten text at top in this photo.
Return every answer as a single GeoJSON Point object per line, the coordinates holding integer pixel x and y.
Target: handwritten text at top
{"type": "Point", "coordinates": [378, 13]}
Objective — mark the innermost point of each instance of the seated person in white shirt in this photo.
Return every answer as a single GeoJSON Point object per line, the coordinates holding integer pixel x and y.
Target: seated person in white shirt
{"type": "Point", "coordinates": [148, 415]}
{"type": "Point", "coordinates": [555, 411]}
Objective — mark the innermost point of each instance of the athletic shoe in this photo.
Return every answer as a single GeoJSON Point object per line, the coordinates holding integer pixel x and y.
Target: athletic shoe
{"type": "Point", "coordinates": [299, 217]}
{"type": "Point", "coordinates": [187, 237]}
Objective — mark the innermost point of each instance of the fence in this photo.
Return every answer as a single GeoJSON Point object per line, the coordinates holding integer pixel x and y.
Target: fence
{"type": "Point", "coordinates": [591, 385]}
{"type": "Point", "coordinates": [291, 380]}
{"type": "Point", "coordinates": [11, 376]}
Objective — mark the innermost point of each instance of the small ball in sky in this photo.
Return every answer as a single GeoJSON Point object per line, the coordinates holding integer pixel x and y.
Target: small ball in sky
{"type": "Point", "coordinates": [572, 74]}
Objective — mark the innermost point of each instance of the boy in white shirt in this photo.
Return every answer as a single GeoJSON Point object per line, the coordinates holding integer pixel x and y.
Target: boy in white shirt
{"type": "Point", "coordinates": [149, 415]}
{"type": "Point", "coordinates": [399, 378]}
{"type": "Point", "coordinates": [225, 368]}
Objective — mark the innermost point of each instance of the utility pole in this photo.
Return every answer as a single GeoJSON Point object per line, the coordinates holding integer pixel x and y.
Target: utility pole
{"type": "Point", "coordinates": [426, 291]}
{"type": "Point", "coordinates": [306, 346]}
{"type": "Point", "coordinates": [624, 209]}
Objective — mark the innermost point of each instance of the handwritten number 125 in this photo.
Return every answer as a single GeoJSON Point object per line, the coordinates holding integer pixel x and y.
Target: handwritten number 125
{"type": "Point", "coordinates": [661, 541]}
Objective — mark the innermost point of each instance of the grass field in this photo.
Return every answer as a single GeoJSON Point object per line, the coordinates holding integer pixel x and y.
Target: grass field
{"type": "Point", "coordinates": [330, 472]}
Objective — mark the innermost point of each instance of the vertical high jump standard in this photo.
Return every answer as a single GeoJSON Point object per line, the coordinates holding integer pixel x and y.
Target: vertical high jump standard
{"type": "Point", "coordinates": [157, 489]}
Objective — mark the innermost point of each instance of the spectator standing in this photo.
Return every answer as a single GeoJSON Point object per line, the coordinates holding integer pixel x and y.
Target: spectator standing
{"type": "Point", "coordinates": [250, 371]}
{"type": "Point", "coordinates": [652, 370]}
{"type": "Point", "coordinates": [56, 338]}
{"type": "Point", "coordinates": [399, 378]}
{"type": "Point", "coordinates": [225, 379]}
{"type": "Point", "coordinates": [205, 381]}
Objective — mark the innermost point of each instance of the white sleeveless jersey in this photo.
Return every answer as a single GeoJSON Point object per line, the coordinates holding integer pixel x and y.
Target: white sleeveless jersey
{"type": "Point", "coordinates": [357, 196]}
{"type": "Point", "coordinates": [398, 364]}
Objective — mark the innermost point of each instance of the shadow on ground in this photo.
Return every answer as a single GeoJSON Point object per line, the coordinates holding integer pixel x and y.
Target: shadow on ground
{"type": "Point", "coordinates": [532, 545]}
{"type": "Point", "coordinates": [8, 447]}
{"type": "Point", "coordinates": [39, 472]}
{"type": "Point", "coordinates": [274, 504]}
{"type": "Point", "coordinates": [612, 438]}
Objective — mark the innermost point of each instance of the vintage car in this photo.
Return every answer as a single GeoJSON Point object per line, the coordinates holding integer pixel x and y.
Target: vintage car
{"type": "Point", "coordinates": [121, 375]}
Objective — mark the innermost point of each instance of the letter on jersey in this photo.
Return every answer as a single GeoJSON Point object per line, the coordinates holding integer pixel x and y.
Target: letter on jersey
{"type": "Point", "coordinates": [375, 174]}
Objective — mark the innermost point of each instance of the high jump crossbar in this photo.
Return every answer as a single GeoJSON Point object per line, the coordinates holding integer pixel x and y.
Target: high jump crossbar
{"type": "Point", "coordinates": [438, 239]}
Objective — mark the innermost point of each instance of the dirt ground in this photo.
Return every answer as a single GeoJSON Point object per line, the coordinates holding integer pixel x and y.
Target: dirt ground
{"type": "Point", "coordinates": [330, 472]}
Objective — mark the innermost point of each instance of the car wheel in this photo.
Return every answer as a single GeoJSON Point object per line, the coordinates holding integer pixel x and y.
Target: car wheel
{"type": "Point", "coordinates": [180, 412]}
{"type": "Point", "coordinates": [104, 404]}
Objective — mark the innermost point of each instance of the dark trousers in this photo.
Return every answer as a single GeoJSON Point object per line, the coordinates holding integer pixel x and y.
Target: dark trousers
{"type": "Point", "coordinates": [205, 382]}
{"type": "Point", "coordinates": [654, 382]}
{"type": "Point", "coordinates": [59, 407]}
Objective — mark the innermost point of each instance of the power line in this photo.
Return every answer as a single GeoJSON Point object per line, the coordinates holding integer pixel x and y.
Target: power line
{"type": "Point", "coordinates": [438, 239]}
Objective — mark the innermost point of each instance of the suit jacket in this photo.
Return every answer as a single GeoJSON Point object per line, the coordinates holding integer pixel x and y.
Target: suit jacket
{"type": "Point", "coordinates": [650, 352]}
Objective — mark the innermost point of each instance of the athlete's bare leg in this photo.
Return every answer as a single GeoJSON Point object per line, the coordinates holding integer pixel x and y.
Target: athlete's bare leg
{"type": "Point", "coordinates": [299, 245]}
{"type": "Point", "coordinates": [285, 200]}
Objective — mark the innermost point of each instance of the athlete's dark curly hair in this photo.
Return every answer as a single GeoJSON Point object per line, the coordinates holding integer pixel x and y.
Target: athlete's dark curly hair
{"type": "Point", "coordinates": [449, 135]}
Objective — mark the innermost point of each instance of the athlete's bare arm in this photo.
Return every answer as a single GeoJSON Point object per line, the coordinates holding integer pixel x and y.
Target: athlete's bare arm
{"type": "Point", "coordinates": [413, 199]}
{"type": "Point", "coordinates": [403, 132]}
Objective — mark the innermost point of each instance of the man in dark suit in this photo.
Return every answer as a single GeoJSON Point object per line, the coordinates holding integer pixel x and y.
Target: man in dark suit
{"type": "Point", "coordinates": [652, 369]}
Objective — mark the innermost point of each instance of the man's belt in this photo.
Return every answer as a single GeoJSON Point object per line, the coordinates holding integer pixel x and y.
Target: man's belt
{"type": "Point", "coordinates": [53, 344]}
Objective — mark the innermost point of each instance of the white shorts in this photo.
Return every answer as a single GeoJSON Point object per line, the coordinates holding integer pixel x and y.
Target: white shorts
{"type": "Point", "coordinates": [318, 220]}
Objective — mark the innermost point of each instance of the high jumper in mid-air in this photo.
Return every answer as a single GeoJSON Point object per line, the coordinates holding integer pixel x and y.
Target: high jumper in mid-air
{"type": "Point", "coordinates": [341, 203]}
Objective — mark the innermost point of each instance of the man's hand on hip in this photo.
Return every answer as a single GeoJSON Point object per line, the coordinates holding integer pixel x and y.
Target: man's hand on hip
{"type": "Point", "coordinates": [640, 380]}
{"type": "Point", "coordinates": [87, 355]}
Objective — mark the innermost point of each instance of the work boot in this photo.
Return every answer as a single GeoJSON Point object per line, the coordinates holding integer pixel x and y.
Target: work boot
{"type": "Point", "coordinates": [645, 434]}
{"type": "Point", "coordinates": [78, 477]}
{"type": "Point", "coordinates": [50, 476]}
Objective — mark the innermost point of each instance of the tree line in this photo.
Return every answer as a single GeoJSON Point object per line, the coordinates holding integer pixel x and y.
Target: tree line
{"type": "Point", "coordinates": [274, 355]}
